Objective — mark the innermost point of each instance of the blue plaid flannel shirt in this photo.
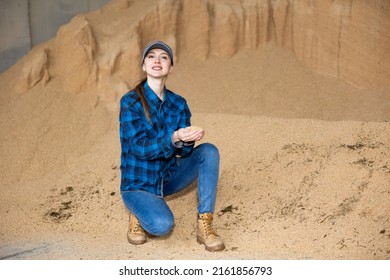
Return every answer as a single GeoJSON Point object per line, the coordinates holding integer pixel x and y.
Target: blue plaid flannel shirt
{"type": "Point", "coordinates": [148, 153]}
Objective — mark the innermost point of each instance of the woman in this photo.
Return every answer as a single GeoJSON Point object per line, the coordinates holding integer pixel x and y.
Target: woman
{"type": "Point", "coordinates": [159, 157]}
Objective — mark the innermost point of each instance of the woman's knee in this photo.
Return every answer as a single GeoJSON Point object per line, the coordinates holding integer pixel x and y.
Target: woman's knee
{"type": "Point", "coordinates": [210, 150]}
{"type": "Point", "coordinates": [159, 225]}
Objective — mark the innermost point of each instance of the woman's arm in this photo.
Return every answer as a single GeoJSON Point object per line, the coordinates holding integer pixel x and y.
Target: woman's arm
{"type": "Point", "coordinates": [187, 136]}
{"type": "Point", "coordinates": [133, 131]}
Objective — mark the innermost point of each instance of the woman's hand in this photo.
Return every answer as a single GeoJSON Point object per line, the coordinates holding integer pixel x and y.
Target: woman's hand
{"type": "Point", "coordinates": [188, 135]}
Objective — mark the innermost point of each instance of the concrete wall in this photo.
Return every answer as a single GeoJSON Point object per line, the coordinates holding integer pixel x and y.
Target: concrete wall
{"type": "Point", "coordinates": [25, 23]}
{"type": "Point", "coordinates": [15, 39]}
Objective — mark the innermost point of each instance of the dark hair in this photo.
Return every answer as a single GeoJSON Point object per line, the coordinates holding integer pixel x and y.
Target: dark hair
{"type": "Point", "coordinates": [139, 89]}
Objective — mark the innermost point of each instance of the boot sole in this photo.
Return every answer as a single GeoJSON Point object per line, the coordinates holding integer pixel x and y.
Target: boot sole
{"type": "Point", "coordinates": [208, 248]}
{"type": "Point", "coordinates": [136, 242]}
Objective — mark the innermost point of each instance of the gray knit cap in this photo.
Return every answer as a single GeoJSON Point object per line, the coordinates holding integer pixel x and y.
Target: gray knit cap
{"type": "Point", "coordinates": [157, 45]}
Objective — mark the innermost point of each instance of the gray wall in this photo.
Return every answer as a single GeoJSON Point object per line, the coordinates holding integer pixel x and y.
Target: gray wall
{"type": "Point", "coordinates": [25, 23]}
{"type": "Point", "coordinates": [15, 39]}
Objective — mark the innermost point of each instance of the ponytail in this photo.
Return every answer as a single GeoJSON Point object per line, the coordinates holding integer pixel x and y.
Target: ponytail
{"type": "Point", "coordinates": [139, 88]}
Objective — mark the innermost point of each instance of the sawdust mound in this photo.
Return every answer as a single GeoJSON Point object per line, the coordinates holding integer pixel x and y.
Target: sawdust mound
{"type": "Point", "coordinates": [293, 93]}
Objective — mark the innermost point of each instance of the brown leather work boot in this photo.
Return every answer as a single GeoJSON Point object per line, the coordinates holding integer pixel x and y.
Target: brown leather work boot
{"type": "Point", "coordinates": [206, 235]}
{"type": "Point", "coordinates": [136, 234]}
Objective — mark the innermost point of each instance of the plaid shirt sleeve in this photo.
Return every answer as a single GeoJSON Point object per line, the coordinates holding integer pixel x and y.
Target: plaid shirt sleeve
{"type": "Point", "coordinates": [185, 120]}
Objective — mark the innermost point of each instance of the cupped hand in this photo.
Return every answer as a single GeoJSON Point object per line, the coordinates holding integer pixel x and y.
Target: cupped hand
{"type": "Point", "coordinates": [189, 135]}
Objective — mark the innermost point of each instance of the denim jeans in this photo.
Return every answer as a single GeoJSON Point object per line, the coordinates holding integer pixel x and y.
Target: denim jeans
{"type": "Point", "coordinates": [152, 211]}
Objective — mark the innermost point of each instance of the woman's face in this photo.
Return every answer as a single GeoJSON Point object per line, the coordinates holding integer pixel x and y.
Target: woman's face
{"type": "Point", "coordinates": [157, 63]}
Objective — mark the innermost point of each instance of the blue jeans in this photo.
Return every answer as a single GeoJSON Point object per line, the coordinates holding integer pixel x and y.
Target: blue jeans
{"type": "Point", "coordinates": [153, 212]}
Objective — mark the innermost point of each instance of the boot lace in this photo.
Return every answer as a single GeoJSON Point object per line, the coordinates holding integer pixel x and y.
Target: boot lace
{"type": "Point", "coordinates": [207, 221]}
{"type": "Point", "coordinates": [136, 227]}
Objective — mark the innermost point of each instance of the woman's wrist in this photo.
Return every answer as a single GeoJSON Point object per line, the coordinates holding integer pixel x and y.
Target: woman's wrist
{"type": "Point", "coordinates": [175, 137]}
